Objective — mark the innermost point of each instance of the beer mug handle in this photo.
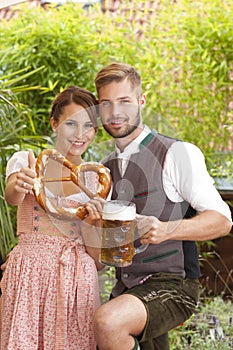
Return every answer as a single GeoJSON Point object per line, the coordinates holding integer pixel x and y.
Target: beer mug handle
{"type": "Point", "coordinates": [141, 248]}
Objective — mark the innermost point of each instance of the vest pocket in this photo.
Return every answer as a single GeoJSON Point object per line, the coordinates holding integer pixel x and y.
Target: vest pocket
{"type": "Point", "coordinates": [161, 256]}
{"type": "Point", "coordinates": [145, 193]}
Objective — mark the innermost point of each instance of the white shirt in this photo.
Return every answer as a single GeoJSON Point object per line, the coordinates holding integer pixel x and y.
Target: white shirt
{"type": "Point", "coordinates": [185, 176]}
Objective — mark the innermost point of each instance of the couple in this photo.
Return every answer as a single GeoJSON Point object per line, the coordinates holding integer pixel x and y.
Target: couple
{"type": "Point", "coordinates": [50, 289]}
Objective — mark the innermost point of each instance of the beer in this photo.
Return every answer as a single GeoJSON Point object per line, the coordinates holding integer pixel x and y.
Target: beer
{"type": "Point", "coordinates": [117, 243]}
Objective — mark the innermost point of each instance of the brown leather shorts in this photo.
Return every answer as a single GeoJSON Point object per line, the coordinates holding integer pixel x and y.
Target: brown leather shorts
{"type": "Point", "coordinates": [169, 300]}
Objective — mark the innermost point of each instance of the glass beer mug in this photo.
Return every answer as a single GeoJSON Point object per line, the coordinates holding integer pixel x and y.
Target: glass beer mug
{"type": "Point", "coordinates": [117, 238]}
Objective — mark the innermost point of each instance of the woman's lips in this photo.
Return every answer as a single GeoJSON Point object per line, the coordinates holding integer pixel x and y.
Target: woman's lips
{"type": "Point", "coordinates": [77, 144]}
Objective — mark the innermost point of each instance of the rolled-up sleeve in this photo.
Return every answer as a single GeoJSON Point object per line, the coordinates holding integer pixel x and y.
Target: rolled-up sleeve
{"type": "Point", "coordinates": [16, 162]}
{"type": "Point", "coordinates": [185, 177]}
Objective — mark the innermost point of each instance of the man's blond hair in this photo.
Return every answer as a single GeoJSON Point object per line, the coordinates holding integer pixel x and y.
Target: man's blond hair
{"type": "Point", "coordinates": [118, 72]}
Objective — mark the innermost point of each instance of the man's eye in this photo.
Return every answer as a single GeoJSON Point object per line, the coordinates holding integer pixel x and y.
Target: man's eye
{"type": "Point", "coordinates": [105, 103]}
{"type": "Point", "coordinates": [125, 101]}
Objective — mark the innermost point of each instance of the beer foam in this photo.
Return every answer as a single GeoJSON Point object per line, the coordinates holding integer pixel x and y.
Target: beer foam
{"type": "Point", "coordinates": [118, 211]}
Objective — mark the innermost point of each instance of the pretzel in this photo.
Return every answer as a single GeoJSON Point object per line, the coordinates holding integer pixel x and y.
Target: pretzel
{"type": "Point", "coordinates": [104, 185]}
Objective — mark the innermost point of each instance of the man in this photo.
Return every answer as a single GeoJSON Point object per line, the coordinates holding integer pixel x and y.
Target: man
{"type": "Point", "coordinates": [168, 181]}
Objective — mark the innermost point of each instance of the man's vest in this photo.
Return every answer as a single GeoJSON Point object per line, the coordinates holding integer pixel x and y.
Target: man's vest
{"type": "Point", "coordinates": [142, 184]}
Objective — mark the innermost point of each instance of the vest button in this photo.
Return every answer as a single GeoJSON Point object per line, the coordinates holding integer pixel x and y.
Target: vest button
{"type": "Point", "coordinates": [125, 275]}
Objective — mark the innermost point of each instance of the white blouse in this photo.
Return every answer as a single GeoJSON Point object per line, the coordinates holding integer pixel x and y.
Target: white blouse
{"type": "Point", "coordinates": [20, 160]}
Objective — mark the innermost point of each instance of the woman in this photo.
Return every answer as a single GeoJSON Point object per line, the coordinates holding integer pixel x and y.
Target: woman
{"type": "Point", "coordinates": [50, 285]}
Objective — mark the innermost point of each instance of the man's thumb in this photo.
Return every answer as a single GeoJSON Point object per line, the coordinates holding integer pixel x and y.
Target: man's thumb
{"type": "Point", "coordinates": [31, 160]}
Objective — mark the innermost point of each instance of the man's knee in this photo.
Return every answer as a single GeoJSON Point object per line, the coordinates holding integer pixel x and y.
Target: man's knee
{"type": "Point", "coordinates": [104, 320]}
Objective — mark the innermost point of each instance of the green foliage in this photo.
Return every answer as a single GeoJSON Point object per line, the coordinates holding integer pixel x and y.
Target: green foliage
{"type": "Point", "coordinates": [209, 328]}
{"type": "Point", "coordinates": [106, 282]}
{"type": "Point", "coordinates": [192, 89]}
{"type": "Point", "coordinates": [17, 132]}
{"type": "Point", "coordinates": [184, 55]}
{"type": "Point", "coordinates": [182, 49]}
{"type": "Point", "coordinates": [65, 42]}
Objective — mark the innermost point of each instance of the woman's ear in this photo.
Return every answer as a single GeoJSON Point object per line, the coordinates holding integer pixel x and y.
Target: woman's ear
{"type": "Point", "coordinates": [53, 124]}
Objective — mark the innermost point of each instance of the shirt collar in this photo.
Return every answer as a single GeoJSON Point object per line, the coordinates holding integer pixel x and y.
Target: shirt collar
{"type": "Point", "coordinates": [133, 147]}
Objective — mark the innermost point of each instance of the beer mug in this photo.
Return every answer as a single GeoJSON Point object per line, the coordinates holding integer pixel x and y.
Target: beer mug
{"type": "Point", "coordinates": [117, 238]}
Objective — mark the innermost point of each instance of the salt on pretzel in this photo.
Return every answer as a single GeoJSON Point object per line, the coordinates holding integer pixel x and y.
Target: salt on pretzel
{"type": "Point", "coordinates": [49, 205]}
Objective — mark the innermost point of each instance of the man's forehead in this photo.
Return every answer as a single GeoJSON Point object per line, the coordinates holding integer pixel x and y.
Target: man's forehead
{"type": "Point", "coordinates": [119, 98]}
{"type": "Point", "coordinates": [117, 91]}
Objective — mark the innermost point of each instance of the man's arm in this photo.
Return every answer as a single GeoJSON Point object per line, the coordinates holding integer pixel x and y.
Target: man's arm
{"type": "Point", "coordinates": [185, 178]}
{"type": "Point", "coordinates": [208, 225]}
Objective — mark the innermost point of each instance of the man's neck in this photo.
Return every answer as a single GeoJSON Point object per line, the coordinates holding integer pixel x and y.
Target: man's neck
{"type": "Point", "coordinates": [123, 142]}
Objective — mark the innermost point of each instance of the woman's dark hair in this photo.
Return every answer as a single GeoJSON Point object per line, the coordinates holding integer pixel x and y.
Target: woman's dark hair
{"type": "Point", "coordinates": [79, 96]}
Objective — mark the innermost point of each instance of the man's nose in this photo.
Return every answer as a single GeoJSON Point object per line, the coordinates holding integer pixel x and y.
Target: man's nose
{"type": "Point", "coordinates": [116, 108]}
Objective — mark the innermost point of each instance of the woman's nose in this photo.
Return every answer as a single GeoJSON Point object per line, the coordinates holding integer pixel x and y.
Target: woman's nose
{"type": "Point", "coordinates": [78, 132]}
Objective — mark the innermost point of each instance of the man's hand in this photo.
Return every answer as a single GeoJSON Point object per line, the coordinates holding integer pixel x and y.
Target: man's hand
{"type": "Point", "coordinates": [151, 230]}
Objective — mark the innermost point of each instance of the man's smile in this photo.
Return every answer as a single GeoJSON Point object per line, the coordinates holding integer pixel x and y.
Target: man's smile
{"type": "Point", "coordinates": [117, 122]}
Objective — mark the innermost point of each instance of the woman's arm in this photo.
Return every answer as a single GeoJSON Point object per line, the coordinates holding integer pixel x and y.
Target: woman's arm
{"type": "Point", "coordinates": [91, 229]}
{"type": "Point", "coordinates": [92, 239]}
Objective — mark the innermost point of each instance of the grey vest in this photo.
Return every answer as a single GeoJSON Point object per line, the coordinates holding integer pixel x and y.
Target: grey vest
{"type": "Point", "coordinates": [142, 184]}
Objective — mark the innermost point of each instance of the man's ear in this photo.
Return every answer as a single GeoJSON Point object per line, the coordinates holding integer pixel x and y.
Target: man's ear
{"type": "Point", "coordinates": [142, 100]}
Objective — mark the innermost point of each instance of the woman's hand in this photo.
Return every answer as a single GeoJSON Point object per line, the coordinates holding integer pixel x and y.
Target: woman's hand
{"type": "Point", "coordinates": [95, 209]}
{"type": "Point", "coordinates": [3, 266]}
{"type": "Point", "coordinates": [21, 183]}
{"type": "Point", "coordinates": [25, 178]}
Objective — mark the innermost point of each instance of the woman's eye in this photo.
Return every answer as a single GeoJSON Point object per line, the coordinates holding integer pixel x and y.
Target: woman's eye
{"type": "Point", "coordinates": [70, 123]}
{"type": "Point", "coordinates": [88, 125]}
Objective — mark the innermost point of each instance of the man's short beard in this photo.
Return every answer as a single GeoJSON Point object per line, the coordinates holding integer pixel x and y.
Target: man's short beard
{"type": "Point", "coordinates": [128, 131]}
